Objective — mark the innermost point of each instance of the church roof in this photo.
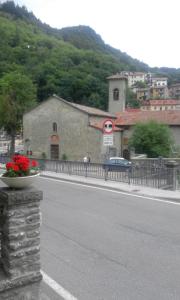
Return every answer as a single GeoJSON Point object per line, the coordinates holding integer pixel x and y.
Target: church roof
{"type": "Point", "coordinates": [86, 109]}
{"type": "Point", "coordinates": [127, 118]}
{"type": "Point", "coordinates": [92, 110]}
{"type": "Point", "coordinates": [117, 76]}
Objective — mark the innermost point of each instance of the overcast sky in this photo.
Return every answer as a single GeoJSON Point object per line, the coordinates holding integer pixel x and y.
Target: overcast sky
{"type": "Point", "coordinates": [145, 29]}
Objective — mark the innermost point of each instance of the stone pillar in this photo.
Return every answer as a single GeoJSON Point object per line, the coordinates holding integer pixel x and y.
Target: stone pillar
{"type": "Point", "coordinates": [20, 244]}
{"type": "Point", "coordinates": [172, 174]}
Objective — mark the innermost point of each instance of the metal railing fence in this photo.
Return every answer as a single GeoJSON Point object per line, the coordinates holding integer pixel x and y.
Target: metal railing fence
{"type": "Point", "coordinates": [146, 172]}
{"type": "Point", "coordinates": [153, 174]}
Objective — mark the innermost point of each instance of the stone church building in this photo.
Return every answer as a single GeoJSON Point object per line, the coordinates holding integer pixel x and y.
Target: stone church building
{"type": "Point", "coordinates": [57, 128]}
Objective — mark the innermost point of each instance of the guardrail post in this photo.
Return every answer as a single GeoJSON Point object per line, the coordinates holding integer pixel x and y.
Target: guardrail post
{"type": "Point", "coordinates": [86, 167]}
{"type": "Point", "coordinates": [56, 166]}
{"type": "Point", "coordinates": [20, 244]}
{"type": "Point", "coordinates": [172, 178]}
{"type": "Point", "coordinates": [106, 174]}
{"type": "Point", "coordinates": [129, 176]}
{"type": "Point", "coordinates": [69, 168]}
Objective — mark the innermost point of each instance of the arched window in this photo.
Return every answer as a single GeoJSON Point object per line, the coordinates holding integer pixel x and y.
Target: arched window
{"type": "Point", "coordinates": [54, 127]}
{"type": "Point", "coordinates": [116, 94]}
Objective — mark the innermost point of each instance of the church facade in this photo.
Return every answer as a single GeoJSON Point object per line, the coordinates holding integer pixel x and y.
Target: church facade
{"type": "Point", "coordinates": [56, 129]}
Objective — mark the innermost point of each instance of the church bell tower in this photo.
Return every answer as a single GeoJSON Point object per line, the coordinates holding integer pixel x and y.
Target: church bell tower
{"type": "Point", "coordinates": [117, 93]}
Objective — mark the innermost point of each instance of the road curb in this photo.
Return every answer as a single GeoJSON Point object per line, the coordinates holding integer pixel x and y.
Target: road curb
{"type": "Point", "coordinates": [135, 191]}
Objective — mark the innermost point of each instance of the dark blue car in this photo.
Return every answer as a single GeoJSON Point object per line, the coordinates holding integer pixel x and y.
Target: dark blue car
{"type": "Point", "coordinates": [117, 164]}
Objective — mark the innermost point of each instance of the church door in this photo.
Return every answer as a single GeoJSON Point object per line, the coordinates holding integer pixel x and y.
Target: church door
{"type": "Point", "coordinates": [126, 154]}
{"type": "Point", "coordinates": [54, 151]}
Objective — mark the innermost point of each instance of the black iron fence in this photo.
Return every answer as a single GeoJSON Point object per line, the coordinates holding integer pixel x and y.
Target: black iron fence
{"type": "Point", "coordinates": [147, 172]}
{"type": "Point", "coordinates": [153, 173]}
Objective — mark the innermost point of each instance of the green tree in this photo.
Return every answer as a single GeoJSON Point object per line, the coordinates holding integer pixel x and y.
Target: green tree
{"type": "Point", "coordinates": [131, 99]}
{"type": "Point", "coordinates": [151, 138]}
{"type": "Point", "coordinates": [17, 95]}
{"type": "Point", "coordinates": [140, 84]}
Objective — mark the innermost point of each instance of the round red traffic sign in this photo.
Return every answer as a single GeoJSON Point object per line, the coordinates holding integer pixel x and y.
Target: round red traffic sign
{"type": "Point", "coordinates": [108, 126]}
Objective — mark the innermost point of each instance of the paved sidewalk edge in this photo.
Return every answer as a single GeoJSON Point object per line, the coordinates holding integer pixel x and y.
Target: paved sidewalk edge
{"type": "Point", "coordinates": [135, 191]}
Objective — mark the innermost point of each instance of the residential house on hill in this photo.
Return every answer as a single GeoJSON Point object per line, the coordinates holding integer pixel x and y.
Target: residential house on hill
{"type": "Point", "coordinates": [161, 92]}
{"type": "Point", "coordinates": [134, 77]}
{"type": "Point", "coordinates": [174, 90]}
{"type": "Point", "coordinates": [165, 104]}
{"type": "Point", "coordinates": [159, 81]}
{"type": "Point", "coordinates": [142, 93]}
{"type": "Point", "coordinates": [146, 85]}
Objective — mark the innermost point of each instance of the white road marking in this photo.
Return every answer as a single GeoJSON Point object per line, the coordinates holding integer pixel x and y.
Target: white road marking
{"type": "Point", "coordinates": [57, 287]}
{"type": "Point", "coordinates": [114, 191]}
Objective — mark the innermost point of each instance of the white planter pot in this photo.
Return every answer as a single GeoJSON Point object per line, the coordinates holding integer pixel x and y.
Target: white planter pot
{"type": "Point", "coordinates": [19, 182]}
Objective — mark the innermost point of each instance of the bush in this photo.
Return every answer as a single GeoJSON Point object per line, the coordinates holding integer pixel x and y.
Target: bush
{"type": "Point", "coordinates": [151, 138]}
{"type": "Point", "coordinates": [64, 157]}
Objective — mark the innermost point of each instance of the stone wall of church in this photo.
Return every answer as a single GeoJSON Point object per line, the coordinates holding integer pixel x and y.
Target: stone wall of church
{"type": "Point", "coordinates": [76, 137]}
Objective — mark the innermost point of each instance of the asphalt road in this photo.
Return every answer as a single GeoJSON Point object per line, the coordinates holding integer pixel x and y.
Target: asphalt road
{"type": "Point", "coordinates": [102, 245]}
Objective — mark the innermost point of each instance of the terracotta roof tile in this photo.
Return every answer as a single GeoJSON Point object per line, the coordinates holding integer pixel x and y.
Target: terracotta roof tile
{"type": "Point", "coordinates": [161, 102]}
{"type": "Point", "coordinates": [168, 117]}
{"type": "Point", "coordinates": [133, 109]}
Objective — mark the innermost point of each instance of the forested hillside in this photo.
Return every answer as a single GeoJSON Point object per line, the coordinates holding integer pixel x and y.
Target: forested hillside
{"type": "Point", "coordinates": [70, 62]}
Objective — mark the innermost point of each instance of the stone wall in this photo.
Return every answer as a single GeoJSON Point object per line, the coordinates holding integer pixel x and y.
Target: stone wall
{"type": "Point", "coordinates": [25, 292]}
{"type": "Point", "coordinates": [76, 137]}
{"type": "Point", "coordinates": [20, 241]}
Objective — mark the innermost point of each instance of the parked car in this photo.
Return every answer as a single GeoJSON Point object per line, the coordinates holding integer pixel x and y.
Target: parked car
{"type": "Point", "coordinates": [117, 164]}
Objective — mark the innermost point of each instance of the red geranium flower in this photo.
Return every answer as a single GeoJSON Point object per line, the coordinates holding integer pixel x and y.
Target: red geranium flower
{"type": "Point", "coordinates": [15, 167]}
{"type": "Point", "coordinates": [21, 166]}
{"type": "Point", "coordinates": [9, 165]}
{"type": "Point", "coordinates": [34, 163]}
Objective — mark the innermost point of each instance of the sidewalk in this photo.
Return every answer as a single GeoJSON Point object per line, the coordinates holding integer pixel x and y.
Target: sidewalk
{"type": "Point", "coordinates": [120, 186]}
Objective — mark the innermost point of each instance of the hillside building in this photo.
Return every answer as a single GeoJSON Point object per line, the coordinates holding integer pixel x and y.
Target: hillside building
{"type": "Point", "coordinates": [146, 86]}
{"type": "Point", "coordinates": [155, 105]}
{"type": "Point", "coordinates": [174, 90]}
{"type": "Point", "coordinates": [159, 81]}
{"type": "Point", "coordinates": [134, 77]}
{"type": "Point", "coordinates": [160, 92]}
{"type": "Point", "coordinates": [142, 93]}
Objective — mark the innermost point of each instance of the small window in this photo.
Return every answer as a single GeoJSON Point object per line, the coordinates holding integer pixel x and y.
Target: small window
{"type": "Point", "coordinates": [54, 127]}
{"type": "Point", "coordinates": [116, 94]}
